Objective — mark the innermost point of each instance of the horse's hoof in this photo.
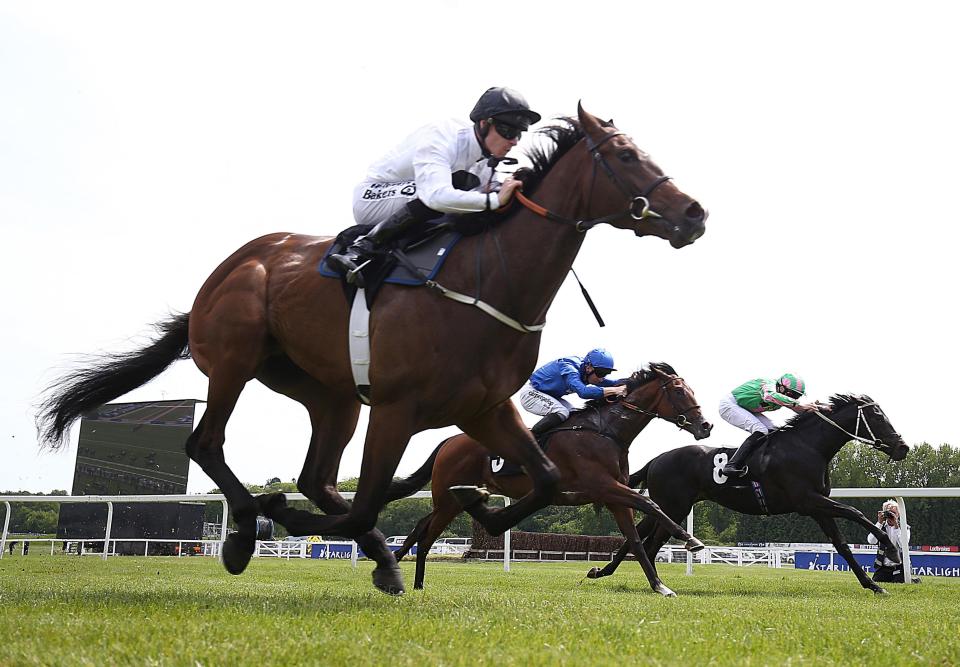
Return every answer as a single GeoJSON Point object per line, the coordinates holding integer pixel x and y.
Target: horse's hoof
{"type": "Point", "coordinates": [270, 503]}
{"type": "Point", "coordinates": [881, 591]}
{"type": "Point", "coordinates": [469, 495]}
{"type": "Point", "coordinates": [593, 573]}
{"type": "Point", "coordinates": [237, 551]}
{"type": "Point", "coordinates": [389, 580]}
{"type": "Point", "coordinates": [693, 545]}
{"type": "Point", "coordinates": [665, 592]}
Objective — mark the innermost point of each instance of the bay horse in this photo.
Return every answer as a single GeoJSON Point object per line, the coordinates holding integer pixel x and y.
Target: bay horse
{"type": "Point", "coordinates": [266, 313]}
{"type": "Point", "coordinates": [590, 450]}
{"type": "Point", "coordinates": [788, 473]}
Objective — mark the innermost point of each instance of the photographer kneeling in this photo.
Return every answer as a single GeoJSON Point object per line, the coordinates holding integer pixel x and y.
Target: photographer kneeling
{"type": "Point", "coordinates": [888, 519]}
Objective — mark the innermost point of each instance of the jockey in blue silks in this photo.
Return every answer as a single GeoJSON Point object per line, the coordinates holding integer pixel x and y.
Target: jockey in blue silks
{"type": "Point", "coordinates": [586, 377]}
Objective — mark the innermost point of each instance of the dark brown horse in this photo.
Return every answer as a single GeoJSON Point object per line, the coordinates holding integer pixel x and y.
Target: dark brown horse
{"type": "Point", "coordinates": [267, 314]}
{"type": "Point", "coordinates": [791, 470]}
{"type": "Point", "coordinates": [590, 450]}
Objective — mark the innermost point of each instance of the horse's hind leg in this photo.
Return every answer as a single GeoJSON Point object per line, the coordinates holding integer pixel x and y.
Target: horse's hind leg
{"type": "Point", "coordinates": [624, 518]}
{"type": "Point", "coordinates": [444, 512]}
{"type": "Point", "coordinates": [501, 430]}
{"type": "Point", "coordinates": [413, 537]}
{"type": "Point", "coordinates": [205, 446]}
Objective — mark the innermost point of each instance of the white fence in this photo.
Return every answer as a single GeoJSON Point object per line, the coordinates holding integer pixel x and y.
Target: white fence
{"type": "Point", "coordinates": [211, 547]}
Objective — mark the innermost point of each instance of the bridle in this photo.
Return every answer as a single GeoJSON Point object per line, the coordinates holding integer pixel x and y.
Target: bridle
{"type": "Point", "coordinates": [680, 420]}
{"type": "Point", "coordinates": [861, 419]}
{"type": "Point", "coordinates": [638, 206]}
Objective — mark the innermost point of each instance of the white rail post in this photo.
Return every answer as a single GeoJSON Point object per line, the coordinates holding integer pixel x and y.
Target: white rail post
{"type": "Point", "coordinates": [6, 524]}
{"type": "Point", "coordinates": [506, 542]}
{"type": "Point", "coordinates": [904, 543]}
{"type": "Point", "coordinates": [353, 554]}
{"type": "Point", "coordinates": [106, 538]}
{"type": "Point", "coordinates": [690, 553]}
{"type": "Point", "coordinates": [223, 528]}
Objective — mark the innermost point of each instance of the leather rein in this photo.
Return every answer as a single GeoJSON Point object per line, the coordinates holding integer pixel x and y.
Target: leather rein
{"type": "Point", "coordinates": [679, 421]}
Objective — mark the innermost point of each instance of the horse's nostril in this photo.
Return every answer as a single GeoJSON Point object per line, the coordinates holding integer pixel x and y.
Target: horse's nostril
{"type": "Point", "coordinates": [695, 212]}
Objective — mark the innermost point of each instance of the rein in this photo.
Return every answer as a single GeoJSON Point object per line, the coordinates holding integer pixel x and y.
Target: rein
{"type": "Point", "coordinates": [679, 421]}
{"type": "Point", "coordinates": [860, 418]}
{"type": "Point", "coordinates": [636, 203]}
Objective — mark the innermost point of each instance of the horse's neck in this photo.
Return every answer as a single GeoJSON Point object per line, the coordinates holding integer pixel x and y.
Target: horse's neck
{"type": "Point", "coordinates": [825, 438]}
{"type": "Point", "coordinates": [626, 429]}
{"type": "Point", "coordinates": [527, 258]}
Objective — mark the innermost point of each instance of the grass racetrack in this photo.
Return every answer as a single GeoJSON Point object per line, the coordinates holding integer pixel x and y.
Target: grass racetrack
{"type": "Point", "coordinates": [67, 610]}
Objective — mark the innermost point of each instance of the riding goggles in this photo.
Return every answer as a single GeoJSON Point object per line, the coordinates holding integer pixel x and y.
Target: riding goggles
{"type": "Point", "coordinates": [507, 131]}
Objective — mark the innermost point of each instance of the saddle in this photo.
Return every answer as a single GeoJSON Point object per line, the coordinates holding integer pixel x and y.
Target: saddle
{"type": "Point", "coordinates": [590, 421]}
{"type": "Point", "coordinates": [419, 259]}
{"type": "Point", "coordinates": [501, 467]}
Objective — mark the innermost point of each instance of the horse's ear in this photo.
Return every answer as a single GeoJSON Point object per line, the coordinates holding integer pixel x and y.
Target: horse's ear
{"type": "Point", "coordinates": [590, 123]}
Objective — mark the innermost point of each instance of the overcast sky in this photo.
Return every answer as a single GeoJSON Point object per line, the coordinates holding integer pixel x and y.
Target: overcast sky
{"type": "Point", "coordinates": [141, 144]}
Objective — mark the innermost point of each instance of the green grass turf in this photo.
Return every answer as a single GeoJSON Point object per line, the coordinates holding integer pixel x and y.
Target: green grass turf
{"type": "Point", "coordinates": [67, 610]}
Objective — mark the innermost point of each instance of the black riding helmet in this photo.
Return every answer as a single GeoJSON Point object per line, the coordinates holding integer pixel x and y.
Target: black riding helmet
{"type": "Point", "coordinates": [506, 105]}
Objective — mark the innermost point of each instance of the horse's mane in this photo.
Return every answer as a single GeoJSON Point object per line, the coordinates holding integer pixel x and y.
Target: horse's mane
{"type": "Point", "coordinates": [837, 401]}
{"type": "Point", "coordinates": [636, 379]}
{"type": "Point", "coordinates": [563, 136]}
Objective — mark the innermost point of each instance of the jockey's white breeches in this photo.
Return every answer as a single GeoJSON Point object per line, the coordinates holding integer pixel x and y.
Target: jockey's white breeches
{"type": "Point", "coordinates": [542, 404]}
{"type": "Point", "coordinates": [375, 202]}
{"type": "Point", "coordinates": [751, 422]}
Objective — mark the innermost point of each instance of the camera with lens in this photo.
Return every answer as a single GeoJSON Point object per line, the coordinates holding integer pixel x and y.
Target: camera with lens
{"type": "Point", "coordinates": [887, 514]}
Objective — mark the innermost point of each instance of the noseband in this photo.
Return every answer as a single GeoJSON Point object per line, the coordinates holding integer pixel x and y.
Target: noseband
{"type": "Point", "coordinates": [680, 420]}
{"type": "Point", "coordinates": [641, 201]}
{"type": "Point", "coordinates": [638, 206]}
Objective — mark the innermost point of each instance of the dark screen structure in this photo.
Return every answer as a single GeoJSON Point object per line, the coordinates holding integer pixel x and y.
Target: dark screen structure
{"type": "Point", "coordinates": [134, 448]}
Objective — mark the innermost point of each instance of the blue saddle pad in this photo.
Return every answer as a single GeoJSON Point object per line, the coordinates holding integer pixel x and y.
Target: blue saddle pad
{"type": "Point", "coordinates": [427, 254]}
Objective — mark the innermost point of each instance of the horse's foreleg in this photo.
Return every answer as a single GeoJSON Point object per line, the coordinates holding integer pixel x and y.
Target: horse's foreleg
{"type": "Point", "coordinates": [643, 529]}
{"type": "Point", "coordinates": [822, 505]}
{"type": "Point", "coordinates": [501, 430]}
{"type": "Point", "coordinates": [624, 495]}
{"type": "Point", "coordinates": [624, 519]}
{"type": "Point", "coordinates": [333, 420]}
{"type": "Point", "coordinates": [830, 528]}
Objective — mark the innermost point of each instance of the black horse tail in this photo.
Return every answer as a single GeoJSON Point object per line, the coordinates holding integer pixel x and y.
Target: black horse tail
{"type": "Point", "coordinates": [639, 479]}
{"type": "Point", "coordinates": [110, 376]}
{"type": "Point", "coordinates": [401, 488]}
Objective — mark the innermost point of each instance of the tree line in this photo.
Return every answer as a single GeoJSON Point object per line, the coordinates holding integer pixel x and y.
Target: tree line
{"type": "Point", "coordinates": [932, 520]}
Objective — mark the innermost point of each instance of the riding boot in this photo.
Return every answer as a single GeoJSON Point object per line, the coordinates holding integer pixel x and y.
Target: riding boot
{"type": "Point", "coordinates": [736, 466]}
{"type": "Point", "coordinates": [551, 420]}
{"type": "Point", "coordinates": [351, 260]}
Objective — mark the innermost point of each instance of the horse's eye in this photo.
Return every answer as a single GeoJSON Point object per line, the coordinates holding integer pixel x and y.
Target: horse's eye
{"type": "Point", "coordinates": [627, 156]}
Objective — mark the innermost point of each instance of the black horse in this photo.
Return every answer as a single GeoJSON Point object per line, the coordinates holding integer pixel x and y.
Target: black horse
{"type": "Point", "coordinates": [787, 474]}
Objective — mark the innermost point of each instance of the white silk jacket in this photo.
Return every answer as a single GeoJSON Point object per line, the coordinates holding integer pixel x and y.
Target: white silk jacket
{"type": "Point", "coordinates": [429, 157]}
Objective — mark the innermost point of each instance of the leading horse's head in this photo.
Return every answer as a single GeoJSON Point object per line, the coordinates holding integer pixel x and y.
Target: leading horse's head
{"type": "Point", "coordinates": [861, 418]}
{"type": "Point", "coordinates": [673, 399]}
{"type": "Point", "coordinates": [631, 182]}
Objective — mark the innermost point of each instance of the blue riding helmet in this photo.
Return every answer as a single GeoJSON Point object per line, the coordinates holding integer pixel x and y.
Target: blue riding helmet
{"type": "Point", "coordinates": [599, 358]}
